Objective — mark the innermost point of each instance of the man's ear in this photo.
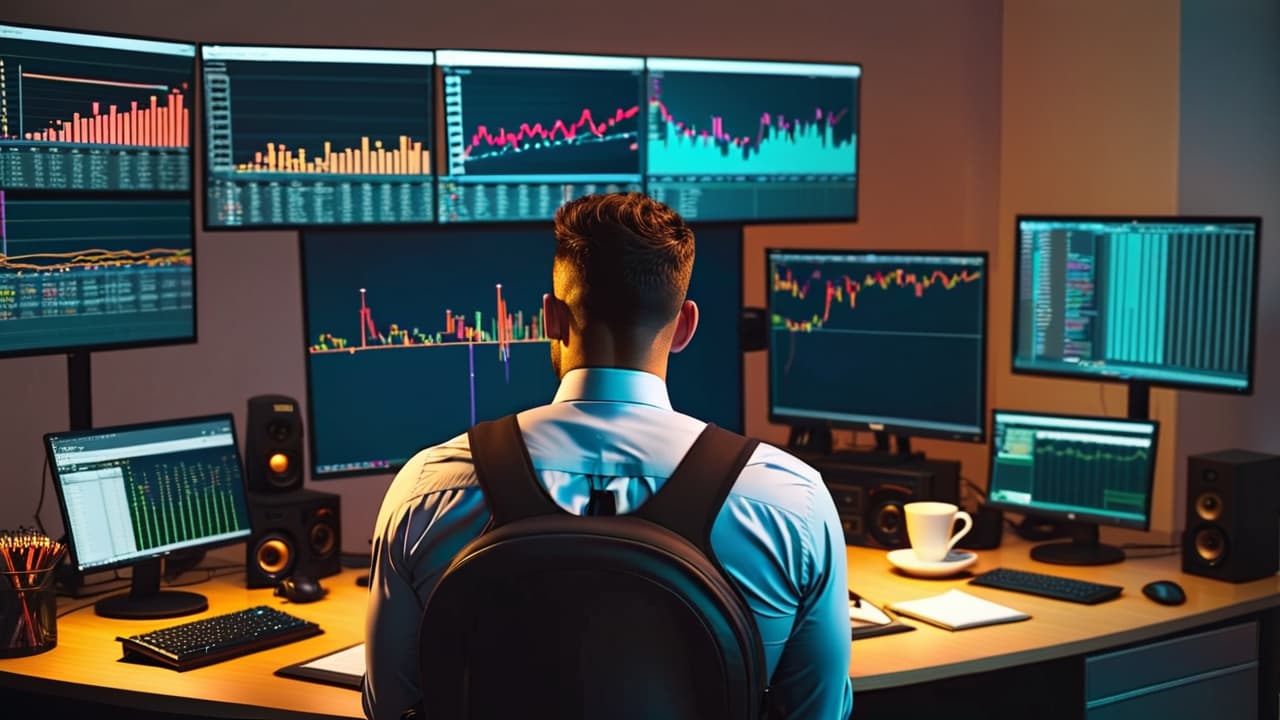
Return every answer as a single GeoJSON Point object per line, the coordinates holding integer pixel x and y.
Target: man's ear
{"type": "Point", "coordinates": [556, 316]}
{"type": "Point", "coordinates": [686, 325]}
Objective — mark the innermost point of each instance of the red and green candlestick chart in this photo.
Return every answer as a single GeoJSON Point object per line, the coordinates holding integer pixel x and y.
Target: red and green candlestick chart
{"type": "Point", "coordinates": [504, 329]}
{"type": "Point", "coordinates": [846, 289]}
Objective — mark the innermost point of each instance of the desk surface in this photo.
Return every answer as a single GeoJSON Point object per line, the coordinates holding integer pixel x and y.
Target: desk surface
{"type": "Point", "coordinates": [1056, 629]}
{"type": "Point", "coordinates": [86, 662]}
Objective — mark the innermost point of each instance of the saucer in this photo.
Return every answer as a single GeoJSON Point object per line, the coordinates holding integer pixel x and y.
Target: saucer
{"type": "Point", "coordinates": [955, 561]}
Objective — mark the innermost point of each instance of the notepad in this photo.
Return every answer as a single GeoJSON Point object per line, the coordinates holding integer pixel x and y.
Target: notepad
{"type": "Point", "coordinates": [958, 610]}
{"type": "Point", "coordinates": [344, 668]}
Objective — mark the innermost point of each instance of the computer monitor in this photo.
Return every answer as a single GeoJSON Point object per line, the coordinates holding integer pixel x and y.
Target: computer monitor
{"type": "Point", "coordinates": [753, 140]}
{"type": "Point", "coordinates": [893, 342]}
{"type": "Point", "coordinates": [403, 349]}
{"type": "Point", "coordinates": [94, 112]}
{"type": "Point", "coordinates": [1166, 301]}
{"type": "Point", "coordinates": [87, 272]}
{"type": "Point", "coordinates": [1086, 471]}
{"type": "Point", "coordinates": [527, 132]}
{"type": "Point", "coordinates": [300, 137]}
{"type": "Point", "coordinates": [133, 494]}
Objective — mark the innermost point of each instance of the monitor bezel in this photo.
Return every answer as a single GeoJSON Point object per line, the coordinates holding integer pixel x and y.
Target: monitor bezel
{"type": "Point", "coordinates": [298, 227]}
{"type": "Point", "coordinates": [49, 439]}
{"type": "Point", "coordinates": [857, 175]}
{"type": "Point", "coordinates": [472, 227]}
{"type": "Point", "coordinates": [901, 429]}
{"type": "Point", "coordinates": [642, 99]}
{"type": "Point", "coordinates": [1255, 220]}
{"type": "Point", "coordinates": [1089, 518]}
{"type": "Point", "coordinates": [42, 194]}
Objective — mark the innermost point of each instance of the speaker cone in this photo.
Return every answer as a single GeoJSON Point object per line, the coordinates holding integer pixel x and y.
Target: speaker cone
{"type": "Point", "coordinates": [274, 555]}
{"type": "Point", "coordinates": [323, 538]}
{"type": "Point", "coordinates": [1209, 506]}
{"type": "Point", "coordinates": [280, 430]}
{"type": "Point", "coordinates": [1211, 544]}
{"type": "Point", "coordinates": [888, 523]}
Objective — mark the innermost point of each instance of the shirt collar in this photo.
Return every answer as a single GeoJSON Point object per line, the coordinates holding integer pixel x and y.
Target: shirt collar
{"type": "Point", "coordinates": [613, 385]}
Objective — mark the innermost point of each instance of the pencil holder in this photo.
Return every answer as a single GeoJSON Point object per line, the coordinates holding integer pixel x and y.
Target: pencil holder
{"type": "Point", "coordinates": [28, 613]}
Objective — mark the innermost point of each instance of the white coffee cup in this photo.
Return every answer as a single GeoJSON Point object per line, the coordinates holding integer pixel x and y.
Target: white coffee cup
{"type": "Point", "coordinates": [929, 528]}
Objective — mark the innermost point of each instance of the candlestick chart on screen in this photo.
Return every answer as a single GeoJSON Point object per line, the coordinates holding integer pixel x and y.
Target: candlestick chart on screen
{"type": "Point", "coordinates": [742, 145]}
{"type": "Point", "coordinates": [304, 143]}
{"type": "Point", "coordinates": [414, 336]}
{"type": "Point", "coordinates": [84, 272]}
{"type": "Point", "coordinates": [88, 114]}
{"type": "Point", "coordinates": [522, 141]}
{"type": "Point", "coordinates": [888, 334]}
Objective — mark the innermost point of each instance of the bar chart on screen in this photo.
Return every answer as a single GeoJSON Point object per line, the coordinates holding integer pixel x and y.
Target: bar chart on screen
{"type": "Point", "coordinates": [313, 136]}
{"type": "Point", "coordinates": [84, 112]}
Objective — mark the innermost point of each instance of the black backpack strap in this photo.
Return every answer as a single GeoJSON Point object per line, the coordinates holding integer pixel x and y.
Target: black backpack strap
{"type": "Point", "coordinates": [505, 472]}
{"type": "Point", "coordinates": [690, 500]}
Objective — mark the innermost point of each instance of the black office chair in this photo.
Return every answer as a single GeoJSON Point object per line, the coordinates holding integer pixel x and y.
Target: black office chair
{"type": "Point", "coordinates": [554, 615]}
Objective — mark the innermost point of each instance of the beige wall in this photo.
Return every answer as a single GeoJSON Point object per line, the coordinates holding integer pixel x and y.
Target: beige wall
{"type": "Point", "coordinates": [1089, 125]}
{"type": "Point", "coordinates": [929, 170]}
{"type": "Point", "coordinates": [1229, 164]}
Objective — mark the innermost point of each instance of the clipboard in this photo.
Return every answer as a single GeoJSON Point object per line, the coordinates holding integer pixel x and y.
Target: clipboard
{"type": "Point", "coordinates": [343, 667]}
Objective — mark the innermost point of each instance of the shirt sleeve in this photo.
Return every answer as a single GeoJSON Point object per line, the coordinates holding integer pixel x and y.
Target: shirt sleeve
{"type": "Point", "coordinates": [414, 542]}
{"type": "Point", "coordinates": [812, 681]}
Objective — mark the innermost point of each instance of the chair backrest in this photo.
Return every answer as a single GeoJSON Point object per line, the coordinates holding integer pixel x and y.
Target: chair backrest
{"type": "Point", "coordinates": [550, 614]}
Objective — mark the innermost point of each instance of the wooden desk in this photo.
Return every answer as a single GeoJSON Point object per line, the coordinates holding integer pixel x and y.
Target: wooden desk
{"type": "Point", "coordinates": [86, 664]}
{"type": "Point", "coordinates": [1057, 629]}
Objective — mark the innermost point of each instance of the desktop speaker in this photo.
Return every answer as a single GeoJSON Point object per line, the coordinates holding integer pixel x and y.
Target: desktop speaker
{"type": "Point", "coordinates": [869, 498]}
{"type": "Point", "coordinates": [295, 533]}
{"type": "Point", "coordinates": [1233, 516]}
{"type": "Point", "coordinates": [273, 444]}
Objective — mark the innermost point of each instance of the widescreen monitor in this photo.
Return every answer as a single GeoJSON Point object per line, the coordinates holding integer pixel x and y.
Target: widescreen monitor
{"type": "Point", "coordinates": [403, 350]}
{"type": "Point", "coordinates": [1158, 300]}
{"type": "Point", "coordinates": [133, 494]}
{"type": "Point", "coordinates": [300, 136]}
{"type": "Point", "coordinates": [86, 272]}
{"type": "Point", "coordinates": [752, 140]}
{"type": "Point", "coordinates": [527, 132]}
{"type": "Point", "coordinates": [92, 112]}
{"type": "Point", "coordinates": [1084, 471]}
{"type": "Point", "coordinates": [892, 342]}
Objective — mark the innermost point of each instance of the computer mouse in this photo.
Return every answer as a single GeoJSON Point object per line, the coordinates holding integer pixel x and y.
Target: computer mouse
{"type": "Point", "coordinates": [300, 589]}
{"type": "Point", "coordinates": [1165, 592]}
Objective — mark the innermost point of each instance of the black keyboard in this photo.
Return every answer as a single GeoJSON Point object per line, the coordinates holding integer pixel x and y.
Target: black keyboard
{"type": "Point", "coordinates": [222, 637]}
{"type": "Point", "coordinates": [1060, 588]}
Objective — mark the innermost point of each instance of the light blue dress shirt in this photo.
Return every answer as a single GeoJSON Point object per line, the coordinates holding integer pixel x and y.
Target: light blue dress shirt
{"type": "Point", "coordinates": [777, 535]}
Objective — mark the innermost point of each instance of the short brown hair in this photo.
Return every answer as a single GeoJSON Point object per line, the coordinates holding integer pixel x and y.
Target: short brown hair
{"type": "Point", "coordinates": [631, 257]}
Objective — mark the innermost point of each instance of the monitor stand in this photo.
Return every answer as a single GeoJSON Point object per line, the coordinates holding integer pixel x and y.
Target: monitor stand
{"type": "Point", "coordinates": [146, 600]}
{"type": "Point", "coordinates": [1083, 548]}
{"type": "Point", "coordinates": [887, 451]}
{"type": "Point", "coordinates": [810, 439]}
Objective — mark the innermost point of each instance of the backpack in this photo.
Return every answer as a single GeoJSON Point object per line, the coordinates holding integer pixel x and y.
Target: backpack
{"type": "Point", "coordinates": [555, 615]}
